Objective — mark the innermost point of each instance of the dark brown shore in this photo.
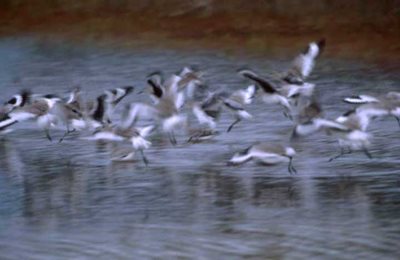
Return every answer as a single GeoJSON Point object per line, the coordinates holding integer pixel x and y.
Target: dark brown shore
{"type": "Point", "coordinates": [354, 35]}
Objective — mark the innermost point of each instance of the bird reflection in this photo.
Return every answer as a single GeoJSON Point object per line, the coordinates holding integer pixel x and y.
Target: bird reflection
{"type": "Point", "coordinates": [273, 192]}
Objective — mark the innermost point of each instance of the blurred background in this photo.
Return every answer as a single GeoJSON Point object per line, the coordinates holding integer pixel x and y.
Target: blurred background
{"type": "Point", "coordinates": [366, 28]}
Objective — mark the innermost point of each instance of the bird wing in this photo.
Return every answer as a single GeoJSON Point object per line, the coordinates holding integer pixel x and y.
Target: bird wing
{"type": "Point", "coordinates": [265, 84]}
{"type": "Point", "coordinates": [157, 89]}
{"type": "Point", "coordinates": [303, 64]}
{"type": "Point", "coordinates": [135, 112]}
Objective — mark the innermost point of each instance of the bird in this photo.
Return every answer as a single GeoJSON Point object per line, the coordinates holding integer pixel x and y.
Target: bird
{"type": "Point", "coordinates": [350, 134]}
{"type": "Point", "coordinates": [280, 92]}
{"type": "Point", "coordinates": [17, 100]}
{"type": "Point", "coordinates": [155, 81]}
{"type": "Point", "coordinates": [38, 110]}
{"type": "Point", "coordinates": [208, 111]}
{"type": "Point", "coordinates": [197, 135]}
{"type": "Point", "coordinates": [190, 80]}
{"type": "Point", "coordinates": [270, 91]}
{"type": "Point", "coordinates": [113, 97]}
{"type": "Point", "coordinates": [180, 85]}
{"type": "Point", "coordinates": [94, 113]}
{"type": "Point", "coordinates": [135, 135]}
{"type": "Point", "coordinates": [126, 130]}
{"type": "Point", "coordinates": [69, 116]}
{"type": "Point", "coordinates": [349, 129]}
{"type": "Point", "coordinates": [75, 99]}
{"type": "Point", "coordinates": [377, 106]}
{"type": "Point", "coordinates": [364, 99]}
{"type": "Point", "coordinates": [308, 120]}
{"type": "Point", "coordinates": [236, 102]}
{"type": "Point", "coordinates": [304, 63]}
{"type": "Point", "coordinates": [166, 114]}
{"type": "Point", "coordinates": [266, 153]}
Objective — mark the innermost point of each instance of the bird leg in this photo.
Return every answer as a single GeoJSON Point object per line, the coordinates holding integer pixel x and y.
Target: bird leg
{"type": "Point", "coordinates": [342, 152]}
{"type": "Point", "coordinates": [172, 138]}
{"type": "Point", "coordinates": [288, 115]}
{"type": "Point", "coordinates": [366, 152]}
{"type": "Point", "coordinates": [291, 168]}
{"type": "Point", "coordinates": [48, 135]}
{"type": "Point", "coordinates": [398, 119]}
{"type": "Point", "coordinates": [146, 162]}
{"type": "Point", "coordinates": [232, 125]}
{"type": "Point", "coordinates": [66, 133]}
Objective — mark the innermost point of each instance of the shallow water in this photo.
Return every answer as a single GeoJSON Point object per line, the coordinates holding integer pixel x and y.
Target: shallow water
{"type": "Point", "coordinates": [63, 201]}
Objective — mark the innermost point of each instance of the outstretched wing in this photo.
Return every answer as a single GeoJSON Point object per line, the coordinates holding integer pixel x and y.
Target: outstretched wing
{"type": "Point", "coordinates": [265, 84]}
{"type": "Point", "coordinates": [303, 64]}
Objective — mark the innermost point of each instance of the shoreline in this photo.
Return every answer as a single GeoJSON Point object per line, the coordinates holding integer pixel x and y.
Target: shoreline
{"type": "Point", "coordinates": [274, 38]}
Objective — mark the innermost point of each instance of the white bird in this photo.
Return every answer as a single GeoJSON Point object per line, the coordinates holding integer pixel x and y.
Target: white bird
{"type": "Point", "coordinates": [266, 153]}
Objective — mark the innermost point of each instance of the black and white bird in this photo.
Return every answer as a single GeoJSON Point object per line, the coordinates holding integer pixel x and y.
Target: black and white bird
{"type": "Point", "coordinates": [270, 93]}
{"type": "Point", "coordinates": [38, 110]}
{"type": "Point", "coordinates": [349, 129]}
{"type": "Point", "coordinates": [208, 111]}
{"type": "Point", "coordinates": [135, 135]}
{"type": "Point", "coordinates": [16, 101]}
{"type": "Point", "coordinates": [181, 86]}
{"type": "Point", "coordinates": [377, 106]}
{"type": "Point", "coordinates": [304, 63]}
{"type": "Point", "coordinates": [391, 96]}
{"type": "Point", "coordinates": [236, 103]}
{"type": "Point", "coordinates": [166, 113]}
{"type": "Point", "coordinates": [155, 81]}
{"type": "Point", "coordinates": [190, 80]}
{"type": "Point", "coordinates": [113, 97]}
{"type": "Point", "coordinates": [266, 153]}
{"type": "Point", "coordinates": [280, 92]}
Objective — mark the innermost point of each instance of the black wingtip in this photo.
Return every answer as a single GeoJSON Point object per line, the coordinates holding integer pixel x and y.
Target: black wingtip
{"type": "Point", "coordinates": [50, 96]}
{"type": "Point", "coordinates": [321, 44]}
{"type": "Point", "coordinates": [129, 89]}
{"type": "Point", "coordinates": [348, 113]}
{"type": "Point", "coordinates": [157, 90]}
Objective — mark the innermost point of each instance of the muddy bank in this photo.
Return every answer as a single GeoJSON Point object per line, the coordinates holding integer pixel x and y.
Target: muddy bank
{"type": "Point", "coordinates": [364, 29]}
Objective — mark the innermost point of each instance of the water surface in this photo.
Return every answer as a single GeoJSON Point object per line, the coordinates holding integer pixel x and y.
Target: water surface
{"type": "Point", "coordinates": [63, 201]}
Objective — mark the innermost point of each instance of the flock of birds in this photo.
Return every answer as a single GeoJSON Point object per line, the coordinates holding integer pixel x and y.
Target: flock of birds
{"type": "Point", "coordinates": [183, 91]}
